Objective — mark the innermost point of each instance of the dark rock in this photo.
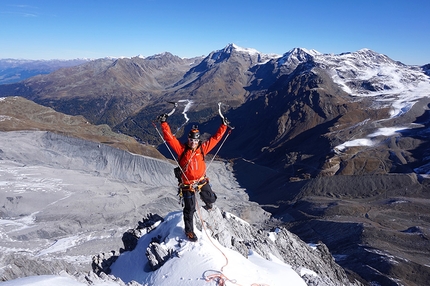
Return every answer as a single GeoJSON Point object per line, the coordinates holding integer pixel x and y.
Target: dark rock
{"type": "Point", "coordinates": [157, 255]}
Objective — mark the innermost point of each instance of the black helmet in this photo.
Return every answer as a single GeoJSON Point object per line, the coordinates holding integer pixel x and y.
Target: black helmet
{"type": "Point", "coordinates": [194, 133]}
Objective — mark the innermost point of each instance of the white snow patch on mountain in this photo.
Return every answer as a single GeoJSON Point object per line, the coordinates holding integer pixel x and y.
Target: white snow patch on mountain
{"type": "Point", "coordinates": [355, 142]}
{"type": "Point", "coordinates": [47, 280]}
{"type": "Point", "coordinates": [387, 131]}
{"type": "Point", "coordinates": [370, 140]}
{"type": "Point", "coordinates": [368, 74]}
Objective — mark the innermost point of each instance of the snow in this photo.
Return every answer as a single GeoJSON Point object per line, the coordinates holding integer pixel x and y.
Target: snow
{"type": "Point", "coordinates": [195, 264]}
{"type": "Point", "coordinates": [188, 105]}
{"type": "Point", "coordinates": [246, 50]}
{"type": "Point", "coordinates": [383, 131]}
{"type": "Point", "coordinates": [305, 271]}
{"type": "Point", "coordinates": [63, 244]}
{"type": "Point", "coordinates": [395, 84]}
{"type": "Point", "coordinates": [198, 260]}
{"type": "Point", "coordinates": [387, 131]}
{"type": "Point", "coordinates": [44, 280]}
{"type": "Point", "coordinates": [355, 142]}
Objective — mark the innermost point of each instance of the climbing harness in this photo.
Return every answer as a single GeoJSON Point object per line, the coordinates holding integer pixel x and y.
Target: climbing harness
{"type": "Point", "coordinates": [193, 188]}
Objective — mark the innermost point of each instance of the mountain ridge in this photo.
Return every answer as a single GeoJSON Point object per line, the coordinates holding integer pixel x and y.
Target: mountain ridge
{"type": "Point", "coordinates": [15, 70]}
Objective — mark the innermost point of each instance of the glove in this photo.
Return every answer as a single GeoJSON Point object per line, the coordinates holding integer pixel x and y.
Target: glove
{"type": "Point", "coordinates": [162, 117]}
{"type": "Point", "coordinates": [225, 121]}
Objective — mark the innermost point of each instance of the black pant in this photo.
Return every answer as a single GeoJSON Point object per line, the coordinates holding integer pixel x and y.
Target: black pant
{"type": "Point", "coordinates": [206, 195]}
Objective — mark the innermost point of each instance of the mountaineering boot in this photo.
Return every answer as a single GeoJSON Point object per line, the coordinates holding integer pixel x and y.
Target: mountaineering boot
{"type": "Point", "coordinates": [208, 206]}
{"type": "Point", "coordinates": [191, 236]}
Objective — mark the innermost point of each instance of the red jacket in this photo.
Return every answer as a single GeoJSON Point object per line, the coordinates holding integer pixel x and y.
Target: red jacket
{"type": "Point", "coordinates": [192, 163]}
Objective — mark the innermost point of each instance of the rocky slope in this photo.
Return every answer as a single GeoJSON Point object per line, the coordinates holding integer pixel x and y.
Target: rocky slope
{"type": "Point", "coordinates": [17, 113]}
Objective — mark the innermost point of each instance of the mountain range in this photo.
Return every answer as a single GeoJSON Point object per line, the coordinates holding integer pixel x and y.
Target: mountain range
{"type": "Point", "coordinates": [15, 70]}
{"type": "Point", "coordinates": [339, 142]}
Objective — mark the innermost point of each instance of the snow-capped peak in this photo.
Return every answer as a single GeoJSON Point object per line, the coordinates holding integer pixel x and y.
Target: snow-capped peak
{"type": "Point", "coordinates": [296, 56]}
{"type": "Point", "coordinates": [367, 73]}
{"type": "Point", "coordinates": [250, 51]}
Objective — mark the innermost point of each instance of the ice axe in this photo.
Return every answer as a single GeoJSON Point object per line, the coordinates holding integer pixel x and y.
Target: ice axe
{"type": "Point", "coordinates": [164, 116]}
{"type": "Point", "coordinates": [222, 116]}
{"type": "Point", "coordinates": [175, 104]}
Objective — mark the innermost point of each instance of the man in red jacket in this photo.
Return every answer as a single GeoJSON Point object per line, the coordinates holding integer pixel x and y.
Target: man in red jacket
{"type": "Point", "coordinates": [193, 169]}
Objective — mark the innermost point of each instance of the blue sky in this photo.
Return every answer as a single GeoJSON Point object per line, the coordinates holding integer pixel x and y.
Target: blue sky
{"type": "Point", "coordinates": [57, 29]}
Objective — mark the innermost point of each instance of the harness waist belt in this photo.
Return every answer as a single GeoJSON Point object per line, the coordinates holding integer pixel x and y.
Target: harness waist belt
{"type": "Point", "coordinates": [197, 184]}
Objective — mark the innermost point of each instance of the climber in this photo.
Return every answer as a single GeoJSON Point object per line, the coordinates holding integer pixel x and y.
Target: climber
{"type": "Point", "coordinates": [192, 169]}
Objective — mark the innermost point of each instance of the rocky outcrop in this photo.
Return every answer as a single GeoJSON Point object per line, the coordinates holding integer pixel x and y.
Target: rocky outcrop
{"type": "Point", "coordinates": [234, 233]}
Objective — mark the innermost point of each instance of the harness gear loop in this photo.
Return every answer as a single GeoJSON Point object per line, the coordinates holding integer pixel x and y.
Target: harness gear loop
{"type": "Point", "coordinates": [181, 197]}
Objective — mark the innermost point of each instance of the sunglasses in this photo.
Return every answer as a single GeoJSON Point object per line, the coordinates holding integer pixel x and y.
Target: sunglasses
{"type": "Point", "coordinates": [193, 140]}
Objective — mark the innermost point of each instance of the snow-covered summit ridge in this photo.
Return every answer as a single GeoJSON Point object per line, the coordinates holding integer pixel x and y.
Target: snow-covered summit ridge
{"type": "Point", "coordinates": [193, 262]}
{"type": "Point", "coordinates": [227, 247]}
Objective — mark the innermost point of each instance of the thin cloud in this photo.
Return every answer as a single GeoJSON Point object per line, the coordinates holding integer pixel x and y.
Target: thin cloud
{"type": "Point", "coordinates": [23, 6]}
{"type": "Point", "coordinates": [22, 14]}
{"type": "Point", "coordinates": [22, 10]}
